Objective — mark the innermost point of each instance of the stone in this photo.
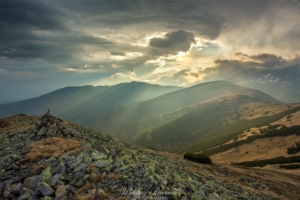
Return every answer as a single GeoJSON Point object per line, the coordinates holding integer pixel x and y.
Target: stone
{"type": "Point", "coordinates": [214, 196]}
{"type": "Point", "coordinates": [24, 197]}
{"type": "Point", "coordinates": [101, 164]}
{"type": "Point", "coordinates": [79, 183]}
{"type": "Point", "coordinates": [42, 131]}
{"type": "Point", "coordinates": [96, 155]}
{"type": "Point", "coordinates": [54, 180]}
{"type": "Point", "coordinates": [46, 175]}
{"type": "Point", "coordinates": [45, 189]}
{"type": "Point", "coordinates": [29, 182]}
{"type": "Point", "coordinates": [59, 169]}
{"type": "Point", "coordinates": [51, 133]}
{"type": "Point", "coordinates": [3, 186]}
{"type": "Point", "coordinates": [78, 175]}
{"type": "Point", "coordinates": [77, 161]}
{"type": "Point", "coordinates": [199, 195]}
{"type": "Point", "coordinates": [82, 167]}
{"type": "Point", "coordinates": [16, 189]}
{"type": "Point", "coordinates": [37, 194]}
{"type": "Point", "coordinates": [61, 192]}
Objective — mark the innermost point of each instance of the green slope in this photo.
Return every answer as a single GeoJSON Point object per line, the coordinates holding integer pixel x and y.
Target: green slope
{"type": "Point", "coordinates": [127, 121]}
{"type": "Point", "coordinates": [208, 125]}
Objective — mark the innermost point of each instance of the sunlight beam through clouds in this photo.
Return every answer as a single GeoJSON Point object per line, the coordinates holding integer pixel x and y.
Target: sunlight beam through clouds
{"type": "Point", "coordinates": [165, 42]}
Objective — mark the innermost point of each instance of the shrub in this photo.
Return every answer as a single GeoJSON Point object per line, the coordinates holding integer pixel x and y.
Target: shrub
{"type": "Point", "coordinates": [294, 149]}
{"type": "Point", "coordinates": [200, 158]}
{"type": "Point", "coordinates": [292, 166]}
{"type": "Point", "coordinates": [271, 161]}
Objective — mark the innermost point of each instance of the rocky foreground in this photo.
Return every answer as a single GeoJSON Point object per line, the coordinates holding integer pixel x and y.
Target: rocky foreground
{"type": "Point", "coordinates": [48, 158]}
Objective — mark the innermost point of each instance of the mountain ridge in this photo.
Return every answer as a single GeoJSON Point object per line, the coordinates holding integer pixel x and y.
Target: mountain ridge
{"type": "Point", "coordinates": [75, 100]}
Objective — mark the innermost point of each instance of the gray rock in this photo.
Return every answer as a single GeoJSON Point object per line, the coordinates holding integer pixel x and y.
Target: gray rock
{"type": "Point", "coordinates": [46, 175]}
{"type": "Point", "coordinates": [42, 131]}
{"type": "Point", "coordinates": [3, 186]}
{"type": "Point", "coordinates": [29, 182]}
{"type": "Point", "coordinates": [24, 197]}
{"type": "Point", "coordinates": [101, 164]}
{"type": "Point", "coordinates": [77, 161]}
{"type": "Point", "coordinates": [78, 175]}
{"type": "Point", "coordinates": [59, 169]}
{"type": "Point", "coordinates": [198, 195]}
{"type": "Point", "coordinates": [16, 189]}
{"type": "Point", "coordinates": [37, 194]}
{"type": "Point", "coordinates": [45, 189]}
{"type": "Point", "coordinates": [96, 155]}
{"type": "Point", "coordinates": [54, 180]}
{"type": "Point", "coordinates": [82, 167]}
{"type": "Point", "coordinates": [79, 183]}
{"type": "Point", "coordinates": [51, 133]}
{"type": "Point", "coordinates": [214, 196]}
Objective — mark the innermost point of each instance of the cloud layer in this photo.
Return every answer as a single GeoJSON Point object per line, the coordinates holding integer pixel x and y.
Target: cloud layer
{"type": "Point", "coordinates": [73, 42]}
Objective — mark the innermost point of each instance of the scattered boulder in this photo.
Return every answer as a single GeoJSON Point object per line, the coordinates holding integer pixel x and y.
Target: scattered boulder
{"type": "Point", "coordinates": [45, 189]}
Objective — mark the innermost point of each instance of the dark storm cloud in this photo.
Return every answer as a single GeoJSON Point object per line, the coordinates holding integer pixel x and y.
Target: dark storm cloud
{"type": "Point", "coordinates": [245, 64]}
{"type": "Point", "coordinates": [174, 41]}
{"type": "Point", "coordinates": [266, 60]}
{"type": "Point", "coordinates": [59, 49]}
{"type": "Point", "coordinates": [29, 14]}
{"type": "Point", "coordinates": [195, 15]}
{"type": "Point", "coordinates": [38, 30]}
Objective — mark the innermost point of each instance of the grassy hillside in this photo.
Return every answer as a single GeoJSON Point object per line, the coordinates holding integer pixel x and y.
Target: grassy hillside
{"type": "Point", "coordinates": [211, 124]}
{"type": "Point", "coordinates": [164, 107]}
{"type": "Point", "coordinates": [279, 138]}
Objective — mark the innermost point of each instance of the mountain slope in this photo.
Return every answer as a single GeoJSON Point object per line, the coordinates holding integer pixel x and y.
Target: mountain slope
{"type": "Point", "coordinates": [270, 81]}
{"type": "Point", "coordinates": [171, 102]}
{"type": "Point", "coordinates": [75, 103]}
{"type": "Point", "coordinates": [46, 158]}
{"type": "Point", "coordinates": [263, 142]}
{"type": "Point", "coordinates": [212, 123]}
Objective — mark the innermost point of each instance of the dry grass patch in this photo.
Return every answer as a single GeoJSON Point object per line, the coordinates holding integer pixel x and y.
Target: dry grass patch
{"type": "Point", "coordinates": [260, 149]}
{"type": "Point", "coordinates": [114, 176]}
{"type": "Point", "coordinates": [102, 194]}
{"type": "Point", "coordinates": [91, 167]}
{"type": "Point", "coordinates": [47, 147]}
{"type": "Point", "coordinates": [98, 178]}
{"type": "Point", "coordinates": [17, 123]}
{"type": "Point", "coordinates": [38, 169]}
{"type": "Point", "coordinates": [84, 197]}
{"type": "Point", "coordinates": [86, 187]}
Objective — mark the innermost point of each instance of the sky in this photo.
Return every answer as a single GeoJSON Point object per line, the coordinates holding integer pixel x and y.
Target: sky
{"type": "Point", "coordinates": [47, 45]}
